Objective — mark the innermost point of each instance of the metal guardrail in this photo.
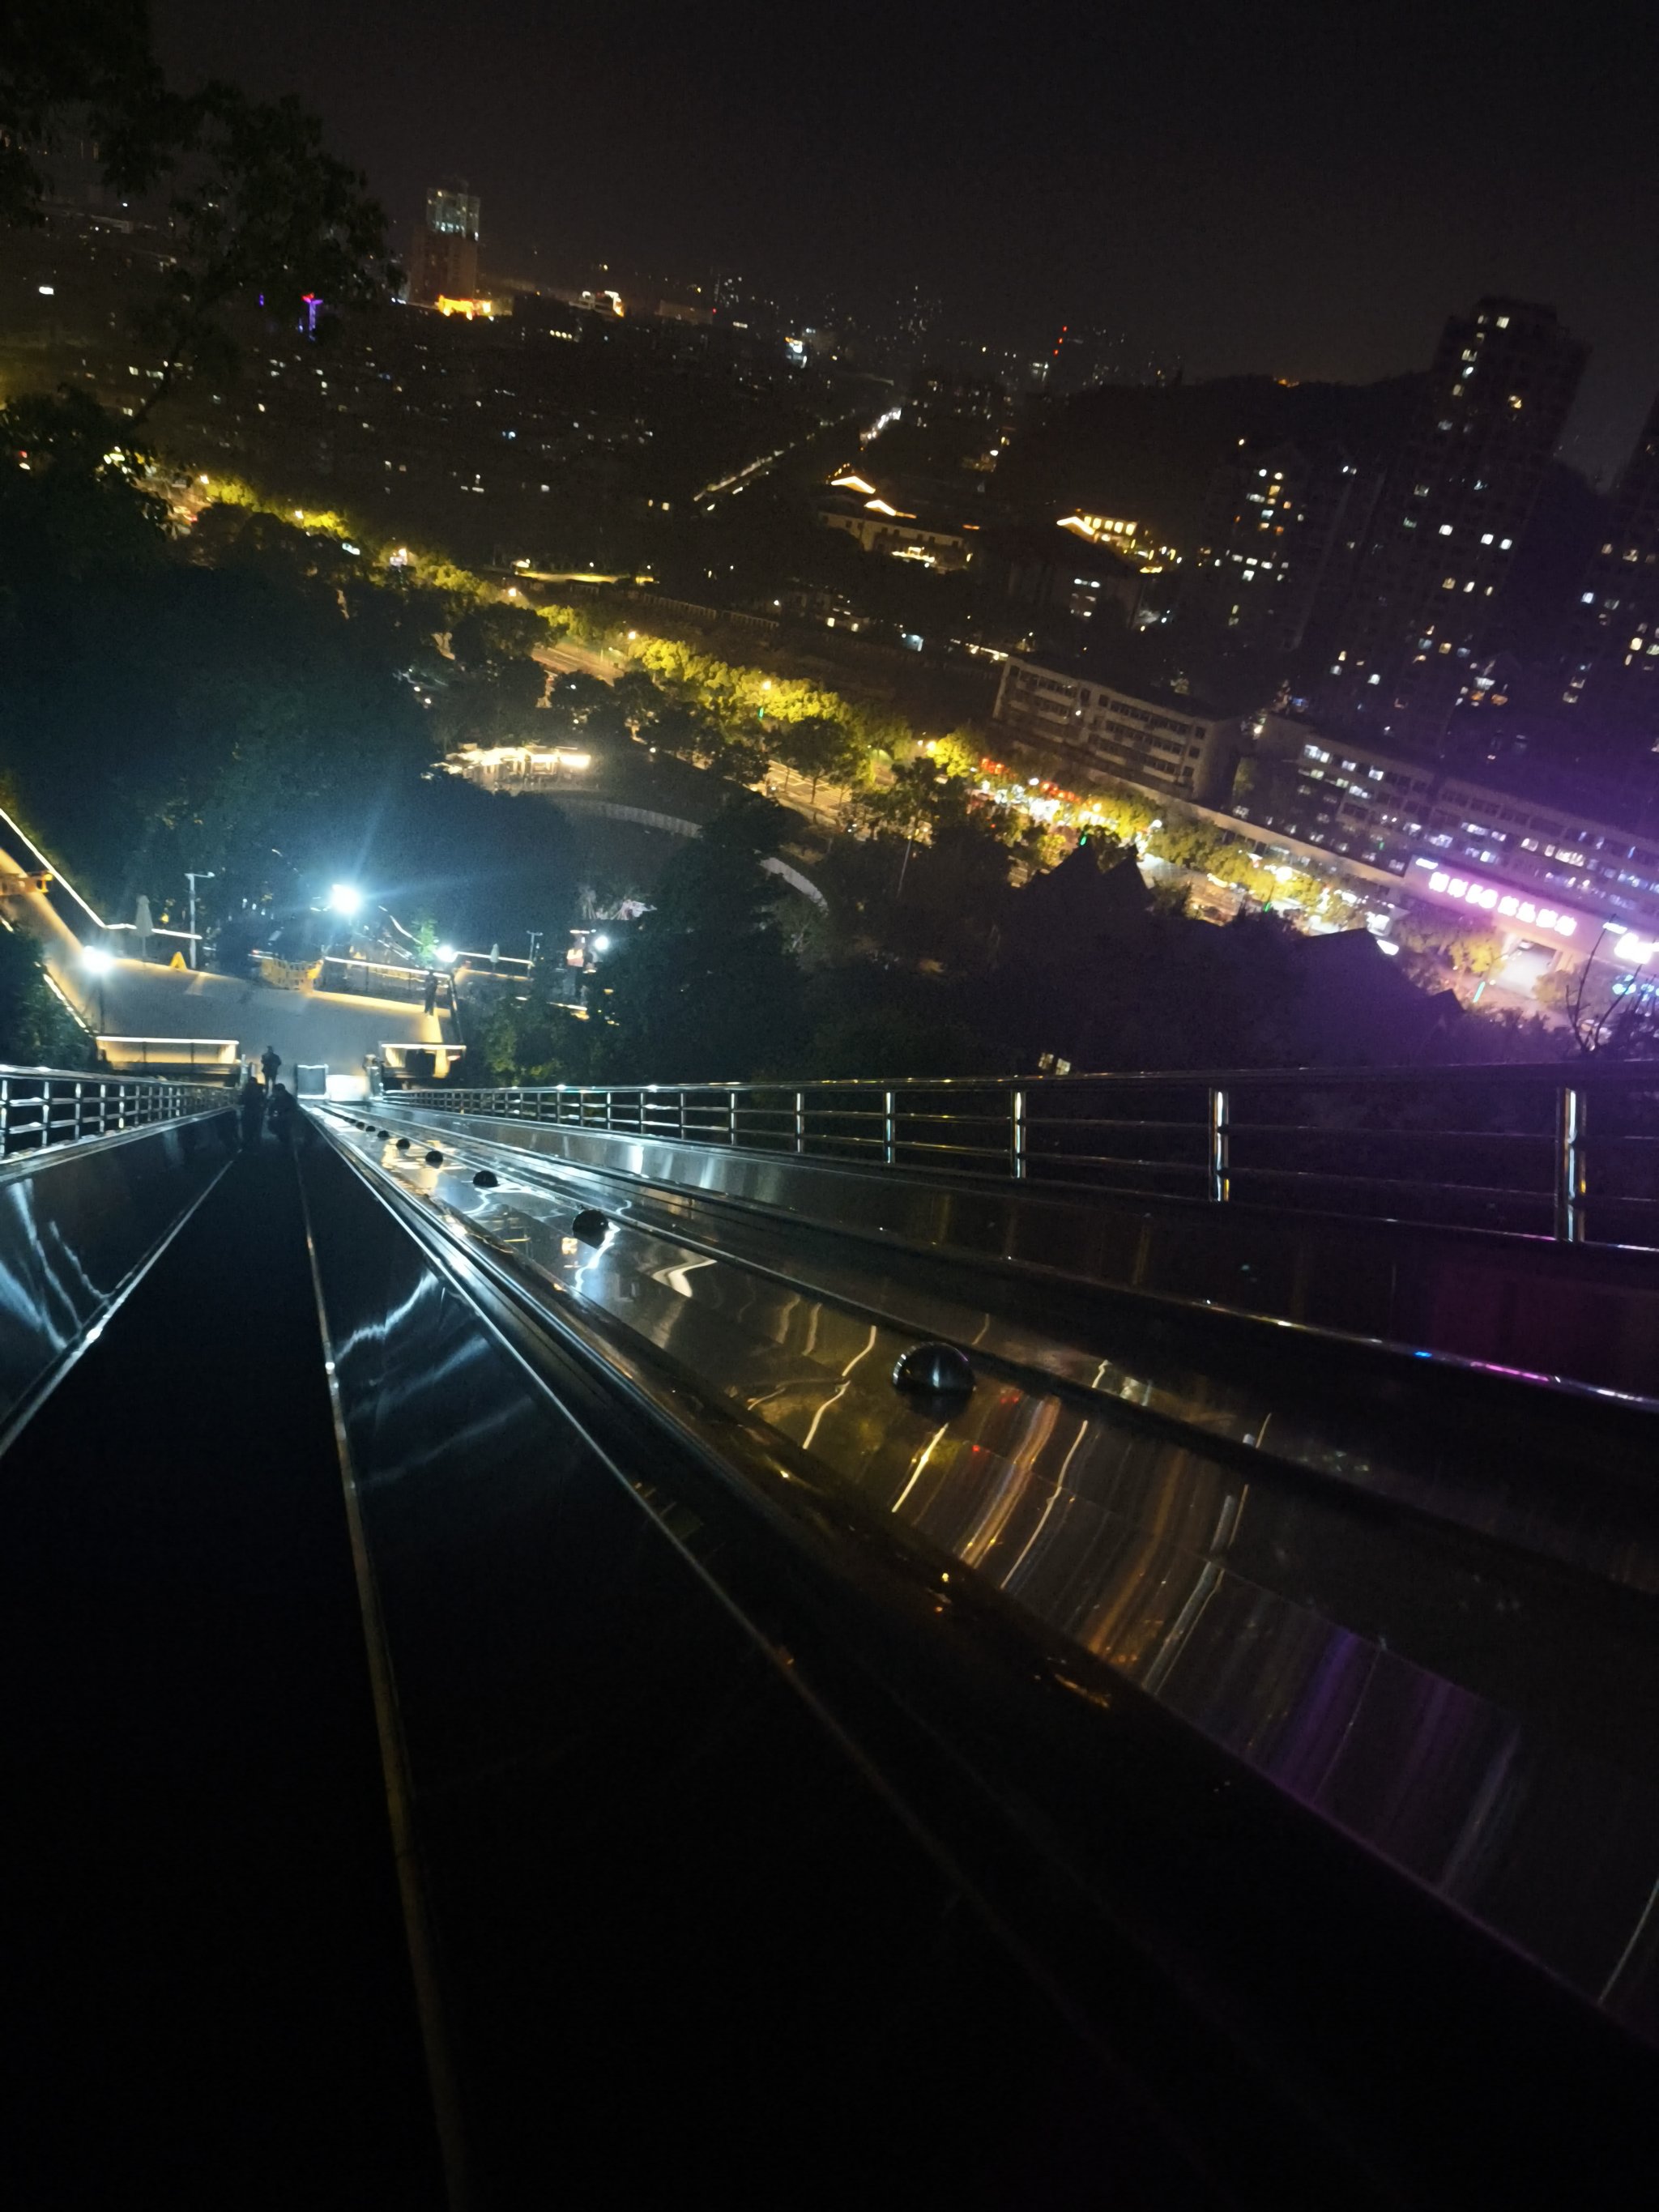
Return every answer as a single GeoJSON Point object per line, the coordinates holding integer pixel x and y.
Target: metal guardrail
{"type": "Point", "coordinates": [1570, 1154]}
{"type": "Point", "coordinates": [42, 1106]}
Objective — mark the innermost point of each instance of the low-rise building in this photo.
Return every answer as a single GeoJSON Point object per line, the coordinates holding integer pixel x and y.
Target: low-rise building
{"type": "Point", "coordinates": [1391, 811]}
{"type": "Point", "coordinates": [880, 527]}
{"type": "Point", "coordinates": [1171, 742]}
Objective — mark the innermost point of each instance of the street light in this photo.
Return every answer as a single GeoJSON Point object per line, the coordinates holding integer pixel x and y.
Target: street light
{"type": "Point", "coordinates": [345, 899]}
{"type": "Point", "coordinates": [444, 955]}
{"type": "Point", "coordinates": [192, 877]}
{"type": "Point", "coordinates": [600, 945]}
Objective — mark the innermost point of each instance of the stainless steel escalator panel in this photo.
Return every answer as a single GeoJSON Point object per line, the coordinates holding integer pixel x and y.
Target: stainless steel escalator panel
{"type": "Point", "coordinates": [78, 1223]}
{"type": "Point", "coordinates": [1534, 1499]}
{"type": "Point", "coordinates": [1484, 1723]}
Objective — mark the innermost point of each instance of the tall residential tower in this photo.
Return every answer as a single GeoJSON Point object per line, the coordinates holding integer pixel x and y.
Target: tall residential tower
{"type": "Point", "coordinates": [1613, 667]}
{"type": "Point", "coordinates": [443, 262]}
{"type": "Point", "coordinates": [1420, 613]}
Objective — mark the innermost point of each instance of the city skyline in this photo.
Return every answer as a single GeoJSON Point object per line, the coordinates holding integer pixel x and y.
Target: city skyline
{"type": "Point", "coordinates": [1291, 195]}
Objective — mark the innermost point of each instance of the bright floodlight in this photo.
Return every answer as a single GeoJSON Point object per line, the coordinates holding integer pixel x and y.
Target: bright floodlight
{"type": "Point", "coordinates": [345, 899]}
{"type": "Point", "coordinates": [602, 944]}
{"type": "Point", "coordinates": [445, 953]}
{"type": "Point", "coordinates": [96, 961]}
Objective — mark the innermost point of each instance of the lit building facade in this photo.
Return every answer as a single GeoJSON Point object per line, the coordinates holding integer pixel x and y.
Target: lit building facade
{"type": "Point", "coordinates": [1456, 504]}
{"type": "Point", "coordinates": [1408, 817]}
{"type": "Point", "coordinates": [1281, 531]}
{"type": "Point", "coordinates": [1171, 744]}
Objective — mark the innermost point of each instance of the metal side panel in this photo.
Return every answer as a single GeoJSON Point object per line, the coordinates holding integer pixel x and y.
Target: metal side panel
{"type": "Point", "coordinates": [79, 1223]}
{"type": "Point", "coordinates": [1583, 1316]}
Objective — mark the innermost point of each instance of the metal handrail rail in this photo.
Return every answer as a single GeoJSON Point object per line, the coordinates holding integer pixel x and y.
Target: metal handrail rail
{"type": "Point", "coordinates": [1223, 1136]}
{"type": "Point", "coordinates": [44, 1106]}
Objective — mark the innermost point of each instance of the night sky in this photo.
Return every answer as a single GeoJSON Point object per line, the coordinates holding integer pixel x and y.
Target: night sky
{"type": "Point", "coordinates": [1284, 188]}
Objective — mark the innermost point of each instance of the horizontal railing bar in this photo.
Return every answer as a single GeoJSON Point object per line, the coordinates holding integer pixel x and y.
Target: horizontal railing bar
{"type": "Point", "coordinates": [1530, 1076]}
{"type": "Point", "coordinates": [1358, 1136]}
{"type": "Point", "coordinates": [1507, 1192]}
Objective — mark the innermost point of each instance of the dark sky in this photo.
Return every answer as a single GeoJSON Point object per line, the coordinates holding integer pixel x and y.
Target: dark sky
{"type": "Point", "coordinates": [1303, 189]}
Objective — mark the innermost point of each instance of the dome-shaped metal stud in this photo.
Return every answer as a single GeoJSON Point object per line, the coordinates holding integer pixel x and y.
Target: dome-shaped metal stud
{"type": "Point", "coordinates": [590, 1224]}
{"type": "Point", "coordinates": [934, 1371]}
{"type": "Point", "coordinates": [403, 1143]}
{"type": "Point", "coordinates": [486, 1179]}
{"type": "Point", "coordinates": [434, 1158]}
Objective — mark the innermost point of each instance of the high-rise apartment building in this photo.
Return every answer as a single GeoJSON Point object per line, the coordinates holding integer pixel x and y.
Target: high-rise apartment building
{"type": "Point", "coordinates": [443, 262]}
{"type": "Point", "coordinates": [1280, 529]}
{"type": "Point", "coordinates": [1612, 666]}
{"type": "Point", "coordinates": [1427, 583]}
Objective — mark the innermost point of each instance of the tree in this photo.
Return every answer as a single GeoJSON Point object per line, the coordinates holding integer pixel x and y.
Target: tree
{"type": "Point", "coordinates": [818, 746]}
{"type": "Point", "coordinates": [579, 697]}
{"type": "Point", "coordinates": [71, 506]}
{"type": "Point", "coordinates": [492, 693]}
{"type": "Point", "coordinates": [259, 213]}
{"type": "Point", "coordinates": [36, 1028]}
{"type": "Point", "coordinates": [85, 63]}
{"type": "Point", "coordinates": [742, 758]}
{"type": "Point", "coordinates": [485, 636]}
{"type": "Point", "coordinates": [637, 699]}
{"type": "Point", "coordinates": [707, 989]}
{"type": "Point", "coordinates": [262, 214]}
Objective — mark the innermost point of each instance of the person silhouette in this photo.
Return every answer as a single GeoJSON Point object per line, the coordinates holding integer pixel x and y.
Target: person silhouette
{"type": "Point", "coordinates": [251, 1112]}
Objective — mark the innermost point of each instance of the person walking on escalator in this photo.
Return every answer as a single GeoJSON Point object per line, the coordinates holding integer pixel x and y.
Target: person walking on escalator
{"type": "Point", "coordinates": [281, 1112]}
{"type": "Point", "coordinates": [251, 1112]}
{"type": "Point", "coordinates": [270, 1060]}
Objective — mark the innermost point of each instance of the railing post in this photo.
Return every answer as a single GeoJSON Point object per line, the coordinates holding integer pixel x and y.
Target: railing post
{"type": "Point", "coordinates": [800, 1120]}
{"type": "Point", "coordinates": [1220, 1131]}
{"type": "Point", "coordinates": [889, 1128]}
{"type": "Point", "coordinates": [732, 1115]}
{"type": "Point", "coordinates": [1570, 1116]}
{"type": "Point", "coordinates": [1017, 1135]}
{"type": "Point", "coordinates": [680, 1098]}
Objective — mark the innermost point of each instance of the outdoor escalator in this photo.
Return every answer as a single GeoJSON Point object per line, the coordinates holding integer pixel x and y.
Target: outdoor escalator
{"type": "Point", "coordinates": [683, 1939]}
{"type": "Point", "coordinates": [459, 1763]}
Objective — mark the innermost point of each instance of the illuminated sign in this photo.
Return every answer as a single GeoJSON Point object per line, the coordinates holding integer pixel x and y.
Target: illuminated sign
{"type": "Point", "coordinates": [1492, 898]}
{"type": "Point", "coordinates": [446, 306]}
